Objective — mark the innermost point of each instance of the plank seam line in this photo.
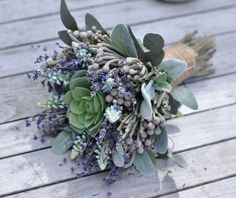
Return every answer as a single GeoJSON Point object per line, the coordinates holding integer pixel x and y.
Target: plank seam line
{"type": "Point", "coordinates": [195, 186]}
{"type": "Point", "coordinates": [71, 10]}
{"type": "Point", "coordinates": [133, 24]}
{"type": "Point", "coordinates": [74, 178]}
{"type": "Point", "coordinates": [47, 147]}
{"type": "Point", "coordinates": [167, 44]}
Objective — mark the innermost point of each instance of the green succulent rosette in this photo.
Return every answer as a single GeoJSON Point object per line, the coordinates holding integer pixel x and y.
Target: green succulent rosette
{"type": "Point", "coordinates": [85, 112]}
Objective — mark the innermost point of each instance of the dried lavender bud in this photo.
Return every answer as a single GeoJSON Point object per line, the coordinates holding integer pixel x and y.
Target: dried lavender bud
{"type": "Point", "coordinates": [147, 142]}
{"type": "Point", "coordinates": [120, 101]}
{"type": "Point", "coordinates": [114, 92]}
{"type": "Point", "coordinates": [120, 95]}
{"type": "Point", "coordinates": [109, 98]}
{"type": "Point", "coordinates": [151, 126]}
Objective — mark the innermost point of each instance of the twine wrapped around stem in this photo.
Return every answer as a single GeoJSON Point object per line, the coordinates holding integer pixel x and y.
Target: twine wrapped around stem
{"type": "Point", "coordinates": [196, 52]}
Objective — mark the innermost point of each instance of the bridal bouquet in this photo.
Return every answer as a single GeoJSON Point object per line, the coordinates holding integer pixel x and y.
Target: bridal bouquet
{"type": "Point", "coordinates": [111, 94]}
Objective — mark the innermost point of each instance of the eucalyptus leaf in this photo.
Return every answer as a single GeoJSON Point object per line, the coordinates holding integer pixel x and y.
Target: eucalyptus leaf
{"type": "Point", "coordinates": [67, 19]}
{"type": "Point", "coordinates": [154, 42]}
{"type": "Point", "coordinates": [148, 93]}
{"type": "Point", "coordinates": [161, 141]}
{"type": "Point", "coordinates": [64, 36]}
{"type": "Point", "coordinates": [63, 142]}
{"type": "Point", "coordinates": [91, 21]}
{"type": "Point", "coordinates": [118, 156]}
{"type": "Point", "coordinates": [185, 97]}
{"type": "Point", "coordinates": [121, 39]}
{"type": "Point", "coordinates": [144, 164]}
{"type": "Point", "coordinates": [173, 67]}
{"type": "Point", "coordinates": [154, 57]}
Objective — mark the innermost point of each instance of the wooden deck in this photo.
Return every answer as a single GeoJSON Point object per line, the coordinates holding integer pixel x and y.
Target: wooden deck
{"type": "Point", "coordinates": [205, 144]}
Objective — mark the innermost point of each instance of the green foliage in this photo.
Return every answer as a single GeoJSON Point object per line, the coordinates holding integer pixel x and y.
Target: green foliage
{"type": "Point", "coordinates": [91, 21]}
{"type": "Point", "coordinates": [173, 67]}
{"type": "Point", "coordinates": [148, 93]}
{"type": "Point", "coordinates": [174, 105]}
{"type": "Point", "coordinates": [145, 163]}
{"type": "Point", "coordinates": [185, 97]}
{"type": "Point", "coordinates": [155, 44]}
{"type": "Point", "coordinates": [63, 142]}
{"type": "Point", "coordinates": [67, 19]}
{"type": "Point", "coordinates": [121, 39]}
{"type": "Point", "coordinates": [64, 36]}
{"type": "Point", "coordinates": [84, 111]}
{"type": "Point", "coordinates": [118, 156]}
{"type": "Point", "coordinates": [161, 141]}
{"type": "Point", "coordinates": [138, 46]}
{"type": "Point", "coordinates": [161, 83]}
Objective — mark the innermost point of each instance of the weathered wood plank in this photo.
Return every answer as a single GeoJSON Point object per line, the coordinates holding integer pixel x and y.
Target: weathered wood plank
{"type": "Point", "coordinates": [20, 59]}
{"type": "Point", "coordinates": [202, 165]}
{"type": "Point", "coordinates": [225, 188]}
{"type": "Point", "coordinates": [35, 30]}
{"type": "Point", "coordinates": [17, 10]}
{"type": "Point", "coordinates": [18, 90]}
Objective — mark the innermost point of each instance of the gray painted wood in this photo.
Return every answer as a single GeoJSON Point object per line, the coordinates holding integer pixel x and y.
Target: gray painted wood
{"type": "Point", "coordinates": [222, 189]}
{"type": "Point", "coordinates": [14, 60]}
{"type": "Point", "coordinates": [35, 30]}
{"type": "Point", "coordinates": [19, 90]}
{"type": "Point", "coordinates": [15, 10]}
{"type": "Point", "coordinates": [201, 165]}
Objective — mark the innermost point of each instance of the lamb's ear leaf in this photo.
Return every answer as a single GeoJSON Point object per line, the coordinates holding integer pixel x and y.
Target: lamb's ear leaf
{"type": "Point", "coordinates": [118, 156]}
{"type": "Point", "coordinates": [145, 165]}
{"type": "Point", "coordinates": [173, 67]}
{"type": "Point", "coordinates": [64, 36]}
{"type": "Point", "coordinates": [66, 17]}
{"type": "Point", "coordinates": [154, 42]}
{"type": "Point", "coordinates": [139, 49]}
{"type": "Point", "coordinates": [62, 142]}
{"type": "Point", "coordinates": [121, 39]}
{"type": "Point", "coordinates": [91, 21]}
{"type": "Point", "coordinates": [185, 97]}
{"type": "Point", "coordinates": [161, 141]}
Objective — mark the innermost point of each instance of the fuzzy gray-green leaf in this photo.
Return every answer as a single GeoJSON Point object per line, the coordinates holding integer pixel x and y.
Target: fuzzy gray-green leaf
{"type": "Point", "coordinates": [144, 164]}
{"type": "Point", "coordinates": [63, 142]}
{"type": "Point", "coordinates": [185, 97]}
{"type": "Point", "coordinates": [148, 93]}
{"type": "Point", "coordinates": [64, 36]}
{"type": "Point", "coordinates": [154, 42]}
{"type": "Point", "coordinates": [118, 156]}
{"type": "Point", "coordinates": [91, 21]}
{"type": "Point", "coordinates": [173, 67]}
{"type": "Point", "coordinates": [161, 141]}
{"type": "Point", "coordinates": [67, 19]}
{"type": "Point", "coordinates": [121, 39]}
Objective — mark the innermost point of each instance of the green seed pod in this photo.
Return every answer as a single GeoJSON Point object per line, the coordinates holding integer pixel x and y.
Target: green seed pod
{"type": "Point", "coordinates": [109, 98]}
{"type": "Point", "coordinates": [120, 101]}
{"type": "Point", "coordinates": [147, 142]}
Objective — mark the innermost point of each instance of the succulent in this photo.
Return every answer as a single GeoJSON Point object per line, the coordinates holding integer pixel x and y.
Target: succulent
{"type": "Point", "coordinates": [85, 112]}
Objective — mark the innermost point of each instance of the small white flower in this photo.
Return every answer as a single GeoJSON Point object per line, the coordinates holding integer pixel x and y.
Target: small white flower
{"type": "Point", "coordinates": [113, 114]}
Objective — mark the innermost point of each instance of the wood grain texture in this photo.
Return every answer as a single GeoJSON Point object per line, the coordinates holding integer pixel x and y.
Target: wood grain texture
{"type": "Point", "coordinates": [39, 29]}
{"type": "Point", "coordinates": [18, 10]}
{"type": "Point", "coordinates": [19, 90]}
{"type": "Point", "coordinates": [14, 60]}
{"type": "Point", "coordinates": [201, 165]}
{"type": "Point", "coordinates": [222, 189]}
